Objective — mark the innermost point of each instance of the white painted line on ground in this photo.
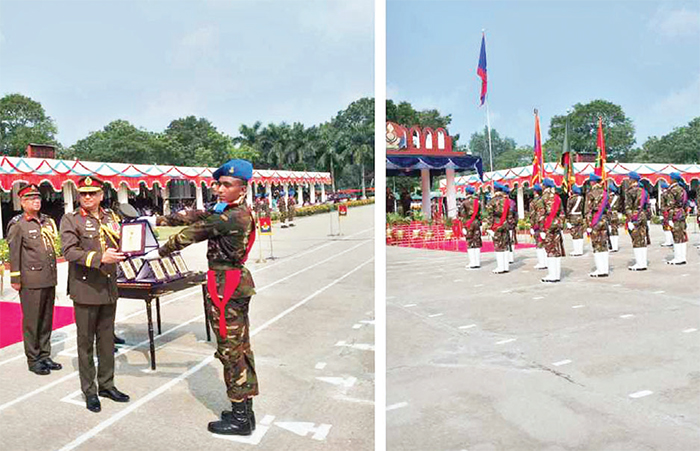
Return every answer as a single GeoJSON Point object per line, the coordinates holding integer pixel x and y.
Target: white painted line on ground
{"type": "Point", "coordinates": [561, 362]}
{"type": "Point", "coordinates": [434, 315]}
{"type": "Point", "coordinates": [628, 315]}
{"type": "Point", "coordinates": [304, 428]}
{"type": "Point", "coordinates": [536, 298]}
{"type": "Point", "coordinates": [458, 280]}
{"type": "Point", "coordinates": [133, 406]}
{"type": "Point", "coordinates": [687, 331]}
{"type": "Point", "coordinates": [685, 275]}
{"type": "Point", "coordinates": [367, 321]}
{"type": "Point", "coordinates": [354, 400]}
{"type": "Point", "coordinates": [398, 405]}
{"type": "Point", "coordinates": [346, 382]}
{"type": "Point", "coordinates": [467, 327]}
{"type": "Point", "coordinates": [356, 326]}
{"type": "Point", "coordinates": [577, 306]}
{"type": "Point", "coordinates": [508, 340]}
{"type": "Point", "coordinates": [525, 270]}
{"type": "Point", "coordinates": [659, 292]}
{"type": "Point", "coordinates": [506, 291]}
{"type": "Point", "coordinates": [320, 365]}
{"type": "Point", "coordinates": [641, 394]}
{"type": "Point", "coordinates": [70, 399]}
{"type": "Point", "coordinates": [410, 305]}
{"type": "Point", "coordinates": [478, 285]}
{"type": "Point", "coordinates": [257, 435]}
{"type": "Point", "coordinates": [390, 297]}
{"type": "Point", "coordinates": [360, 346]}
{"type": "Point", "coordinates": [616, 285]}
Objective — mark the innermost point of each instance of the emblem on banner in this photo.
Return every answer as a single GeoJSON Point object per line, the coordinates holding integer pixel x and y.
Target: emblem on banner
{"type": "Point", "coordinates": [342, 210]}
{"type": "Point", "coordinates": [265, 226]}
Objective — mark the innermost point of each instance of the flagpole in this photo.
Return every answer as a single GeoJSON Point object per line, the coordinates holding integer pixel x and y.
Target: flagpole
{"type": "Point", "coordinates": [488, 126]}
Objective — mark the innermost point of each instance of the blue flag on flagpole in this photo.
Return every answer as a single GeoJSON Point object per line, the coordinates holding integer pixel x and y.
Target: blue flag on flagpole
{"type": "Point", "coordinates": [481, 70]}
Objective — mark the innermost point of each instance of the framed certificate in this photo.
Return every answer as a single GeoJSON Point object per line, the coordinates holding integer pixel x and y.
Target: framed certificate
{"type": "Point", "coordinates": [169, 267]}
{"type": "Point", "coordinates": [157, 270]}
{"type": "Point", "coordinates": [133, 238]}
{"type": "Point", "coordinates": [180, 263]}
{"type": "Point", "coordinates": [127, 270]}
{"type": "Point", "coordinates": [137, 263]}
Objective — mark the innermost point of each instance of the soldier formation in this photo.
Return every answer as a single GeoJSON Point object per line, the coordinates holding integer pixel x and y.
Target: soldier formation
{"type": "Point", "coordinates": [599, 214]}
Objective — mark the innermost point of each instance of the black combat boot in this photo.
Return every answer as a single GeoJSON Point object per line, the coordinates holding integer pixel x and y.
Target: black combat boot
{"type": "Point", "coordinates": [238, 424]}
{"type": "Point", "coordinates": [226, 415]}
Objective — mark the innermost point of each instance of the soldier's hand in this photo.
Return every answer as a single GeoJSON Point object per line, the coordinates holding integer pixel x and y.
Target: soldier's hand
{"type": "Point", "coordinates": [532, 232]}
{"type": "Point", "coordinates": [670, 223]}
{"type": "Point", "coordinates": [568, 225]}
{"type": "Point", "coordinates": [630, 226]}
{"type": "Point", "coordinates": [589, 230]}
{"type": "Point", "coordinates": [16, 286]}
{"type": "Point", "coordinates": [543, 235]}
{"type": "Point", "coordinates": [491, 233]}
{"type": "Point", "coordinates": [111, 255]}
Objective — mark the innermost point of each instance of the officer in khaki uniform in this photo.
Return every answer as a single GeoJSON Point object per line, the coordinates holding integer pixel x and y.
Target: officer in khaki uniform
{"type": "Point", "coordinates": [31, 237]}
{"type": "Point", "coordinates": [90, 238]}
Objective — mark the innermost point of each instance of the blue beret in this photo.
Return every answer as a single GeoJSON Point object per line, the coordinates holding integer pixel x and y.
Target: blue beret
{"type": "Point", "coordinates": [594, 178]}
{"type": "Point", "coordinates": [663, 184]}
{"type": "Point", "coordinates": [469, 189]}
{"type": "Point", "coordinates": [292, 192]}
{"type": "Point", "coordinates": [634, 176]}
{"type": "Point", "coordinates": [281, 192]}
{"type": "Point", "coordinates": [240, 169]}
{"type": "Point", "coordinates": [612, 187]}
{"type": "Point", "coordinates": [499, 187]}
{"type": "Point", "coordinates": [576, 189]}
{"type": "Point", "coordinates": [537, 187]}
{"type": "Point", "coordinates": [548, 183]}
{"type": "Point", "coordinates": [506, 189]}
{"type": "Point", "coordinates": [676, 176]}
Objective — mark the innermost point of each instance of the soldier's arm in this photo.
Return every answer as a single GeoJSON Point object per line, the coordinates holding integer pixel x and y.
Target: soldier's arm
{"type": "Point", "coordinates": [70, 244]}
{"type": "Point", "coordinates": [211, 226]}
{"type": "Point", "coordinates": [182, 218]}
{"type": "Point", "coordinates": [14, 240]}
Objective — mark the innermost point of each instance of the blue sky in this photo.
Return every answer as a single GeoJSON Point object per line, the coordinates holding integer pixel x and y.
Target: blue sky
{"type": "Point", "coordinates": [641, 55]}
{"type": "Point", "coordinates": [149, 62]}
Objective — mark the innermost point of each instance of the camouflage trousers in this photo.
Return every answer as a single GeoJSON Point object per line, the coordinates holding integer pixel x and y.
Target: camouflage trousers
{"type": "Point", "coordinates": [639, 234]}
{"type": "Point", "coordinates": [283, 215]}
{"type": "Point", "coordinates": [290, 214]}
{"type": "Point", "coordinates": [577, 227]}
{"type": "Point", "coordinates": [554, 243]}
{"type": "Point", "coordinates": [679, 231]}
{"type": "Point", "coordinates": [599, 236]}
{"type": "Point", "coordinates": [665, 226]}
{"type": "Point", "coordinates": [539, 242]}
{"type": "Point", "coordinates": [614, 221]}
{"type": "Point", "coordinates": [500, 239]}
{"type": "Point", "coordinates": [473, 235]}
{"type": "Point", "coordinates": [234, 351]}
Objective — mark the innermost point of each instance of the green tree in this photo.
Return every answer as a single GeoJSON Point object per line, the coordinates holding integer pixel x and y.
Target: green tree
{"type": "Point", "coordinates": [354, 136]}
{"type": "Point", "coordinates": [681, 146]}
{"type": "Point", "coordinates": [23, 121]}
{"type": "Point", "coordinates": [583, 129]}
{"type": "Point", "coordinates": [118, 142]}
{"type": "Point", "coordinates": [503, 150]}
{"type": "Point", "coordinates": [195, 141]}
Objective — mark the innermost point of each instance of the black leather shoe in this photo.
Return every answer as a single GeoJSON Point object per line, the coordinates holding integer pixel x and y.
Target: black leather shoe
{"type": "Point", "coordinates": [40, 369]}
{"type": "Point", "coordinates": [119, 340]}
{"type": "Point", "coordinates": [114, 395]}
{"type": "Point", "coordinates": [238, 424]}
{"type": "Point", "coordinates": [227, 415]}
{"type": "Point", "coordinates": [92, 403]}
{"type": "Point", "coordinates": [50, 364]}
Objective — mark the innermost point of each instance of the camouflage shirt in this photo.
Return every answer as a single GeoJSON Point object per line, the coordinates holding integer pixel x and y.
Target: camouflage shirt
{"type": "Point", "coordinates": [466, 209]}
{"type": "Point", "coordinates": [495, 209]}
{"type": "Point", "coordinates": [634, 209]}
{"type": "Point", "coordinates": [574, 207]}
{"type": "Point", "coordinates": [228, 234]}
{"type": "Point", "coordinates": [549, 197]}
{"type": "Point", "coordinates": [594, 200]}
{"type": "Point", "coordinates": [536, 205]}
{"type": "Point", "coordinates": [677, 201]}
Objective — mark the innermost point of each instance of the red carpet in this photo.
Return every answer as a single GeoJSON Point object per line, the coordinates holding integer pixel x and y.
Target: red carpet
{"type": "Point", "coordinates": [435, 236]}
{"type": "Point", "coordinates": [455, 246]}
{"type": "Point", "coordinates": [11, 321]}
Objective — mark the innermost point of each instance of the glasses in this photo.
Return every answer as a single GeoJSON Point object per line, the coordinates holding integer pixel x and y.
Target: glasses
{"type": "Point", "coordinates": [89, 193]}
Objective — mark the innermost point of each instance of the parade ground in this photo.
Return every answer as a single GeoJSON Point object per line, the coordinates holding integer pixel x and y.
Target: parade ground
{"type": "Point", "coordinates": [478, 361]}
{"type": "Point", "coordinates": [312, 332]}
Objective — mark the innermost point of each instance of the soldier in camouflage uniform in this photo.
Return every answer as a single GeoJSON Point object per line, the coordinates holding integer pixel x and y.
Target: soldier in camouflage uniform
{"type": "Point", "coordinates": [31, 237]}
{"type": "Point", "coordinates": [574, 220]}
{"type": "Point", "coordinates": [614, 212]}
{"type": "Point", "coordinates": [262, 207]}
{"type": "Point", "coordinates": [677, 208]}
{"type": "Point", "coordinates": [231, 232]}
{"type": "Point", "coordinates": [551, 221]}
{"type": "Point", "coordinates": [535, 210]}
{"type": "Point", "coordinates": [664, 209]}
{"type": "Point", "coordinates": [636, 209]}
{"type": "Point", "coordinates": [470, 214]}
{"type": "Point", "coordinates": [498, 229]}
{"type": "Point", "coordinates": [595, 206]}
{"type": "Point", "coordinates": [512, 226]}
{"type": "Point", "coordinates": [282, 208]}
{"type": "Point", "coordinates": [291, 207]}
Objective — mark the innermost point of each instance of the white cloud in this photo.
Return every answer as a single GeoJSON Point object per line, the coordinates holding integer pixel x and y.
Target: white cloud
{"type": "Point", "coordinates": [339, 20]}
{"type": "Point", "coordinates": [684, 102]}
{"type": "Point", "coordinates": [674, 23]}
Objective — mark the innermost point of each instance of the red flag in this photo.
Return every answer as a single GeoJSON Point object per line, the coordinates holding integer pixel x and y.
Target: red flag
{"type": "Point", "coordinates": [481, 69]}
{"type": "Point", "coordinates": [537, 161]}
{"type": "Point", "coordinates": [601, 159]}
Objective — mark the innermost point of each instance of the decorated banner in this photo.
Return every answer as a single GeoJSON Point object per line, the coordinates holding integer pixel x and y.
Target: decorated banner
{"type": "Point", "coordinates": [481, 69]}
{"type": "Point", "coordinates": [342, 210]}
{"type": "Point", "coordinates": [537, 160]}
{"type": "Point", "coordinates": [265, 226]}
{"type": "Point", "coordinates": [569, 178]}
{"type": "Point", "coordinates": [602, 158]}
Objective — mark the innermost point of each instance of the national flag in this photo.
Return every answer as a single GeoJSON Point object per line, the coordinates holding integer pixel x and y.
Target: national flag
{"type": "Point", "coordinates": [566, 161]}
{"type": "Point", "coordinates": [601, 159]}
{"type": "Point", "coordinates": [481, 70]}
{"type": "Point", "coordinates": [537, 161]}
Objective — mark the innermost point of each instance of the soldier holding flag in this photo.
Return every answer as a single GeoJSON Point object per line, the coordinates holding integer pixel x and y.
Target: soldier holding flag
{"type": "Point", "coordinates": [535, 210]}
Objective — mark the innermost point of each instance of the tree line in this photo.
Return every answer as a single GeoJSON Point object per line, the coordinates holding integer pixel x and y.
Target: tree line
{"type": "Point", "coordinates": [344, 145]}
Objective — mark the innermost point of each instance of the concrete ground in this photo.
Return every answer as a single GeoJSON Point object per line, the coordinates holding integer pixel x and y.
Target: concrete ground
{"type": "Point", "coordinates": [312, 323]}
{"type": "Point", "coordinates": [478, 361]}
